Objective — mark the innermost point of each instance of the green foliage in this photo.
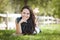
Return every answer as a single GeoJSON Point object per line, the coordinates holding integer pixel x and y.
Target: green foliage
{"type": "Point", "coordinates": [3, 4]}
{"type": "Point", "coordinates": [51, 32]}
{"type": "Point", "coordinates": [46, 7]}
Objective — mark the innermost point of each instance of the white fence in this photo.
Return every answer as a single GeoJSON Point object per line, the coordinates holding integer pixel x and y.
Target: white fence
{"type": "Point", "coordinates": [48, 20]}
{"type": "Point", "coordinates": [9, 21]}
{"type": "Point", "coordinates": [12, 17]}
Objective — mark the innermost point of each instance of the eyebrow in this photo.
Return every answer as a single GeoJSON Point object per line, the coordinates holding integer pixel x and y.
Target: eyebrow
{"type": "Point", "coordinates": [24, 12]}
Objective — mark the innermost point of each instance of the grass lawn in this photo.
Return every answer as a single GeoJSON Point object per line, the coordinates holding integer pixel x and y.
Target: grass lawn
{"type": "Point", "coordinates": [49, 32]}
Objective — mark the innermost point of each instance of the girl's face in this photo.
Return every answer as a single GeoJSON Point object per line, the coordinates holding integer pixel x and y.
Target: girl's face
{"type": "Point", "coordinates": [25, 14]}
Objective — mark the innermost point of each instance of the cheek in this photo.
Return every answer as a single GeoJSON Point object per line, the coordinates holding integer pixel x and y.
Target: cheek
{"type": "Point", "coordinates": [22, 15]}
{"type": "Point", "coordinates": [28, 16]}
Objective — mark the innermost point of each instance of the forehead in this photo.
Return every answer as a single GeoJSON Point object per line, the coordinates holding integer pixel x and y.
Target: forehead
{"type": "Point", "coordinates": [26, 10]}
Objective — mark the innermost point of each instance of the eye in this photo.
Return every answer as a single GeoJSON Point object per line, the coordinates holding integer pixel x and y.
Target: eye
{"type": "Point", "coordinates": [28, 13]}
{"type": "Point", "coordinates": [23, 12]}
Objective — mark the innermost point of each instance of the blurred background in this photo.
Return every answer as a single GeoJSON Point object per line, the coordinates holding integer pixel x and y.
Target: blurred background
{"type": "Point", "coordinates": [47, 13]}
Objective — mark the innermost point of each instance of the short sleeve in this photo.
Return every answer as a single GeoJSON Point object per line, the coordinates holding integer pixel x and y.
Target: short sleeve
{"type": "Point", "coordinates": [18, 19]}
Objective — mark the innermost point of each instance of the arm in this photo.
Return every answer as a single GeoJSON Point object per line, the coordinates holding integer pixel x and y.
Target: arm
{"type": "Point", "coordinates": [18, 28]}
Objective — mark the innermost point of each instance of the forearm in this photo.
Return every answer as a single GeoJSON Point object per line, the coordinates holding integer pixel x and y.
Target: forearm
{"type": "Point", "coordinates": [18, 29]}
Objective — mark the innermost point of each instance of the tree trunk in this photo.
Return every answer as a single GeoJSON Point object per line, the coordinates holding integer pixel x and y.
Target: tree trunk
{"type": "Point", "coordinates": [25, 2]}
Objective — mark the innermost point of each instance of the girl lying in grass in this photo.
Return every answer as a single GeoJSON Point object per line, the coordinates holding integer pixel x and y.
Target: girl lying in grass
{"type": "Point", "coordinates": [26, 23]}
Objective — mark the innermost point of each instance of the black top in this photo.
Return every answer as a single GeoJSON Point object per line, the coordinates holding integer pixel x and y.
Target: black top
{"type": "Point", "coordinates": [26, 26]}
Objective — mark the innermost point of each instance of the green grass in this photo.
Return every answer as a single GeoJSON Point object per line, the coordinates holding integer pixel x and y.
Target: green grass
{"type": "Point", "coordinates": [49, 32]}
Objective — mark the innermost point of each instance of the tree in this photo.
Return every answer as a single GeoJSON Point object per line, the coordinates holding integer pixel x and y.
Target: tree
{"type": "Point", "coordinates": [46, 7]}
{"type": "Point", "coordinates": [3, 4]}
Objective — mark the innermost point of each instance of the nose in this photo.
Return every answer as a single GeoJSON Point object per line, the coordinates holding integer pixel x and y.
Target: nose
{"type": "Point", "coordinates": [25, 15]}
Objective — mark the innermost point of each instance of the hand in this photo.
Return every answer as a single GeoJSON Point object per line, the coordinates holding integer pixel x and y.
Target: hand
{"type": "Point", "coordinates": [23, 20]}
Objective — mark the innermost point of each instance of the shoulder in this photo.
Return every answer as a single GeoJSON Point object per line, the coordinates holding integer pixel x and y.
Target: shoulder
{"type": "Point", "coordinates": [18, 19]}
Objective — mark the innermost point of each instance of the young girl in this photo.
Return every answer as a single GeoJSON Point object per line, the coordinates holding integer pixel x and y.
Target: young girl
{"type": "Point", "coordinates": [26, 23]}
